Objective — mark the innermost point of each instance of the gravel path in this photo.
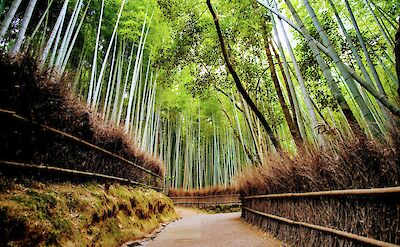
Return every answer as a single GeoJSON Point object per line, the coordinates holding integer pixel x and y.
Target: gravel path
{"type": "Point", "coordinates": [199, 229]}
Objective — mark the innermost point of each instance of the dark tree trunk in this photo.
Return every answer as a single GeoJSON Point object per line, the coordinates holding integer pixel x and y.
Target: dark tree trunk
{"type": "Point", "coordinates": [237, 81]}
{"type": "Point", "coordinates": [294, 130]}
{"type": "Point", "coordinates": [397, 55]}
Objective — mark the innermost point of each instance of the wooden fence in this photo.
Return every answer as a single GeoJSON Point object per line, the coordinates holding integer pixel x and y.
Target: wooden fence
{"type": "Point", "coordinates": [52, 169]}
{"type": "Point", "coordinates": [207, 201]}
{"type": "Point", "coordinates": [390, 195]}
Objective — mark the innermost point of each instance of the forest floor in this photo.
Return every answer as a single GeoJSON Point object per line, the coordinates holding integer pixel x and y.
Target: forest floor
{"type": "Point", "coordinates": [197, 228]}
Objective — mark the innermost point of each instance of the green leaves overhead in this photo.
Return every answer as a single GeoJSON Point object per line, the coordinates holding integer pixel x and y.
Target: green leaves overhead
{"type": "Point", "coordinates": [172, 87]}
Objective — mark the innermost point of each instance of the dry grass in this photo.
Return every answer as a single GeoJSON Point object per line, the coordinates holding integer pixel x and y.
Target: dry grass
{"type": "Point", "coordinates": [44, 97]}
{"type": "Point", "coordinates": [353, 164]}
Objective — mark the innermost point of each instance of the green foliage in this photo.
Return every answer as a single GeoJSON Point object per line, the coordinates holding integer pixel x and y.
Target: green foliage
{"type": "Point", "coordinates": [199, 115]}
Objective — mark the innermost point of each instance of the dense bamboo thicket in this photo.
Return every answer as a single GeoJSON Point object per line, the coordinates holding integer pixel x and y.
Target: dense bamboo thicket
{"type": "Point", "coordinates": [214, 87]}
{"type": "Point", "coordinates": [300, 95]}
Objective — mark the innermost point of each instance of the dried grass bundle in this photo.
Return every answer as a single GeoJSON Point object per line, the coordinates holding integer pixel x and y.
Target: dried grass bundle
{"type": "Point", "coordinates": [44, 96]}
{"type": "Point", "coordinates": [353, 164]}
{"type": "Point", "coordinates": [358, 163]}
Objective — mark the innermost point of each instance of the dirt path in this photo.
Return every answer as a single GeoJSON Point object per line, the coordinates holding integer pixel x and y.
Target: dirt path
{"type": "Point", "coordinates": [199, 229]}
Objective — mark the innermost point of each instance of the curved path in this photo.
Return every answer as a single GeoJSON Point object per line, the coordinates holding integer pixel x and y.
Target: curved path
{"type": "Point", "coordinates": [199, 229]}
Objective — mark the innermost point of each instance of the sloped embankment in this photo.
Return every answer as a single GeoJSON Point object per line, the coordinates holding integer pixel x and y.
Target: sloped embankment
{"type": "Point", "coordinates": [39, 214]}
{"type": "Point", "coordinates": [42, 208]}
{"type": "Point", "coordinates": [355, 164]}
{"type": "Point", "coordinates": [42, 96]}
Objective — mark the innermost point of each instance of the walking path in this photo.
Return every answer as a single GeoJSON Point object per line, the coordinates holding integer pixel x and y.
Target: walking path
{"type": "Point", "coordinates": [206, 230]}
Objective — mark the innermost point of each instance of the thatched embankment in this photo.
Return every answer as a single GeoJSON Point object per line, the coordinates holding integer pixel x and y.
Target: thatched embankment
{"type": "Point", "coordinates": [355, 164]}
{"type": "Point", "coordinates": [44, 97]}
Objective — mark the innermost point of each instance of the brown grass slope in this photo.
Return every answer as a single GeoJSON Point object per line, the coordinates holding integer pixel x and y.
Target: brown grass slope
{"type": "Point", "coordinates": [353, 164]}
{"type": "Point", "coordinates": [43, 97]}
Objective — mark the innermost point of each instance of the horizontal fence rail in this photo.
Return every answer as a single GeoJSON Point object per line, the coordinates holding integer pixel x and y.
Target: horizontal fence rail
{"type": "Point", "coordinates": [72, 172]}
{"type": "Point", "coordinates": [336, 232]}
{"type": "Point", "coordinates": [203, 197]}
{"type": "Point", "coordinates": [209, 203]}
{"type": "Point", "coordinates": [208, 200]}
{"type": "Point", "coordinates": [351, 192]}
{"type": "Point", "coordinates": [390, 192]}
{"type": "Point", "coordinates": [12, 114]}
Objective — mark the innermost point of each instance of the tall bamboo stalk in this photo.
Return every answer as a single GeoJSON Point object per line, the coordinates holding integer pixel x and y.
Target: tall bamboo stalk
{"type": "Point", "coordinates": [5, 24]}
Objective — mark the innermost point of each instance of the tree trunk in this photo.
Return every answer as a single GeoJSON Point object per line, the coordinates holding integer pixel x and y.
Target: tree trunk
{"type": "Point", "coordinates": [135, 75]}
{"type": "Point", "coordinates": [9, 17]}
{"type": "Point", "coordinates": [105, 59]}
{"type": "Point", "coordinates": [290, 96]}
{"type": "Point", "coordinates": [68, 34]}
{"type": "Point", "coordinates": [54, 32]}
{"type": "Point", "coordinates": [397, 55]}
{"type": "Point", "coordinates": [110, 77]}
{"type": "Point", "coordinates": [71, 46]}
{"type": "Point", "coordinates": [236, 79]}
{"type": "Point", "coordinates": [381, 28]}
{"type": "Point", "coordinates": [371, 121]}
{"type": "Point", "coordinates": [56, 42]}
{"type": "Point", "coordinates": [325, 69]}
{"type": "Point", "coordinates": [24, 26]}
{"type": "Point", "coordinates": [292, 127]}
{"type": "Point", "coordinates": [375, 128]}
{"type": "Point", "coordinates": [44, 16]}
{"type": "Point", "coordinates": [284, 67]}
{"type": "Point", "coordinates": [300, 79]}
{"type": "Point", "coordinates": [364, 48]}
{"type": "Point", "coordinates": [120, 62]}
{"type": "Point", "coordinates": [246, 149]}
{"type": "Point", "coordinates": [94, 64]}
{"type": "Point", "coordinates": [312, 42]}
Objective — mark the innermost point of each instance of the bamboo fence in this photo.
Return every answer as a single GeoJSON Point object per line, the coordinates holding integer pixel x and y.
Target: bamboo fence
{"type": "Point", "coordinates": [76, 139]}
{"type": "Point", "coordinates": [390, 192]}
{"type": "Point", "coordinates": [208, 200]}
{"type": "Point", "coordinates": [361, 239]}
{"type": "Point", "coordinates": [352, 192]}
{"type": "Point", "coordinates": [53, 169]}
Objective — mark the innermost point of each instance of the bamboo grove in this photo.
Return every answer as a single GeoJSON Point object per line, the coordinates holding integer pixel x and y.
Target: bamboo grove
{"type": "Point", "coordinates": [212, 87]}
